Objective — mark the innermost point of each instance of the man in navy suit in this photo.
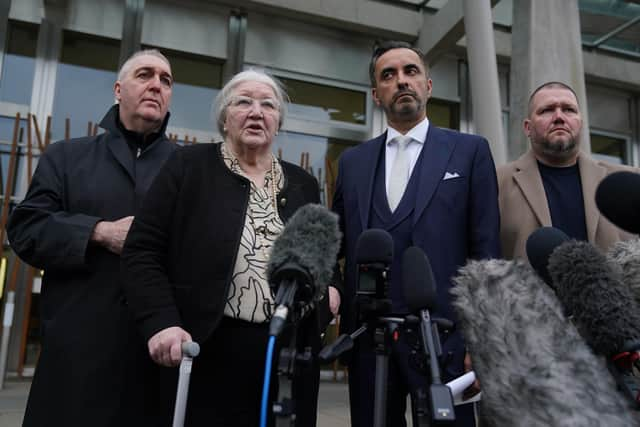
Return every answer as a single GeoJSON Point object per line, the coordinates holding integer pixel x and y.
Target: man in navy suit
{"type": "Point", "coordinates": [436, 190]}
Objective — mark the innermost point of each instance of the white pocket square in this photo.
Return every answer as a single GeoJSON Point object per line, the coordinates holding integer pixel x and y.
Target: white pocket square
{"type": "Point", "coordinates": [449, 175]}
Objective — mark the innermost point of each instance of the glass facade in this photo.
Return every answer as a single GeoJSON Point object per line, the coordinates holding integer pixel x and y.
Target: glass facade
{"type": "Point", "coordinates": [197, 80]}
{"type": "Point", "coordinates": [444, 114]}
{"type": "Point", "coordinates": [318, 155]}
{"type": "Point", "coordinates": [323, 102]}
{"type": "Point", "coordinates": [609, 148]}
{"type": "Point", "coordinates": [85, 77]}
{"type": "Point", "coordinates": [18, 66]}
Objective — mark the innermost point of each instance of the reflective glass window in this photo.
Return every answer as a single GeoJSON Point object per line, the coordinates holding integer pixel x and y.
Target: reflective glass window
{"type": "Point", "coordinates": [443, 114]}
{"type": "Point", "coordinates": [610, 149]}
{"type": "Point", "coordinates": [85, 77]}
{"type": "Point", "coordinates": [318, 155]}
{"type": "Point", "coordinates": [18, 66]}
{"type": "Point", "coordinates": [322, 102]}
{"type": "Point", "coordinates": [197, 80]}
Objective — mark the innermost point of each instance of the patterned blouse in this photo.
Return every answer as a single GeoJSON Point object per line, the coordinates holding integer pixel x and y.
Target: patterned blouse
{"type": "Point", "coordinates": [249, 296]}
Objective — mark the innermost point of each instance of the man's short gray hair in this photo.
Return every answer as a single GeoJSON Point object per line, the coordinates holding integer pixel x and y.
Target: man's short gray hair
{"type": "Point", "coordinates": [127, 64]}
{"type": "Point", "coordinates": [223, 98]}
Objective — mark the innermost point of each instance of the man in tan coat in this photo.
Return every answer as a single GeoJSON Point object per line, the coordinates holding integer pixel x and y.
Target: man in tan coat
{"type": "Point", "coordinates": [553, 183]}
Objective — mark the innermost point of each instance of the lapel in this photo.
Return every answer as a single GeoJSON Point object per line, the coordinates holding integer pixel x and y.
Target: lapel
{"type": "Point", "coordinates": [527, 177]}
{"type": "Point", "coordinates": [116, 143]}
{"type": "Point", "coordinates": [436, 153]}
{"type": "Point", "coordinates": [122, 153]}
{"type": "Point", "coordinates": [590, 175]}
{"type": "Point", "coordinates": [369, 159]}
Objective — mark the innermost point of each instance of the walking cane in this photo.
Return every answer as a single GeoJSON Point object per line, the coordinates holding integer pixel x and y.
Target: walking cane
{"type": "Point", "coordinates": [189, 351]}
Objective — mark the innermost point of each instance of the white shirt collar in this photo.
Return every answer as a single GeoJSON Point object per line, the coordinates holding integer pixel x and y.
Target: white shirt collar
{"type": "Point", "coordinates": [417, 133]}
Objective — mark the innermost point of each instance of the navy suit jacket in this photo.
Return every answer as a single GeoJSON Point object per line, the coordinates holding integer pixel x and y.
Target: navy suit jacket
{"type": "Point", "coordinates": [454, 219]}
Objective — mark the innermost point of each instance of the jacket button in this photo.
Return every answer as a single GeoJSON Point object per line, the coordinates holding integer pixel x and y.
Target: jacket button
{"type": "Point", "coordinates": [283, 202]}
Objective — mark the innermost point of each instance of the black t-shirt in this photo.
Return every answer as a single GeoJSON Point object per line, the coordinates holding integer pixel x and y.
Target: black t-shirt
{"type": "Point", "coordinates": [566, 203]}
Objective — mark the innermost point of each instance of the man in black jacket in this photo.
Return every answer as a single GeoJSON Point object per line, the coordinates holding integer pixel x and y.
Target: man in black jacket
{"type": "Point", "coordinates": [73, 223]}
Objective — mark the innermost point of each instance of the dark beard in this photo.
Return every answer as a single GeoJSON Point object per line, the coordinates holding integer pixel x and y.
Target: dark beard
{"type": "Point", "coordinates": [406, 110]}
{"type": "Point", "coordinates": [560, 151]}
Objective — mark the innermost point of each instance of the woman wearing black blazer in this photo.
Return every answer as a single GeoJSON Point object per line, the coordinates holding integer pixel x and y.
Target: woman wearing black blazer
{"type": "Point", "coordinates": [195, 259]}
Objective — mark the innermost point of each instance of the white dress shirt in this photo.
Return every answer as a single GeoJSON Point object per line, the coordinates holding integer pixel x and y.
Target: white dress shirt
{"type": "Point", "coordinates": [418, 134]}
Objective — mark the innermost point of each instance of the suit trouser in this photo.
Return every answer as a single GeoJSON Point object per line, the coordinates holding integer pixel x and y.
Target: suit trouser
{"type": "Point", "coordinates": [403, 379]}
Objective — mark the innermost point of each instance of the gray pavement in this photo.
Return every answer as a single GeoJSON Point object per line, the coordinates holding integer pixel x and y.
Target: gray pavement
{"type": "Point", "coordinates": [333, 403]}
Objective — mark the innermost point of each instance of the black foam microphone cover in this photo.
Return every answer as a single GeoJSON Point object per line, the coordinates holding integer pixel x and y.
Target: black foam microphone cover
{"type": "Point", "coordinates": [539, 246]}
{"type": "Point", "coordinates": [374, 246]}
{"type": "Point", "coordinates": [590, 290]}
{"type": "Point", "coordinates": [308, 244]}
{"type": "Point", "coordinates": [534, 368]}
{"type": "Point", "coordinates": [618, 198]}
{"type": "Point", "coordinates": [418, 282]}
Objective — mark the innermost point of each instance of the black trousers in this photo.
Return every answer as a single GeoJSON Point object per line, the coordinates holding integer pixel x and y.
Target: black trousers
{"type": "Point", "coordinates": [227, 379]}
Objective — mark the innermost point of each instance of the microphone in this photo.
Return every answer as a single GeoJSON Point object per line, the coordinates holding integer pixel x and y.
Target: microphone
{"type": "Point", "coordinates": [602, 308]}
{"type": "Point", "coordinates": [302, 260]}
{"type": "Point", "coordinates": [374, 254]}
{"type": "Point", "coordinates": [539, 246]}
{"type": "Point", "coordinates": [618, 198]}
{"type": "Point", "coordinates": [534, 368]}
{"type": "Point", "coordinates": [591, 292]}
{"type": "Point", "coordinates": [419, 288]}
{"type": "Point", "coordinates": [419, 285]}
{"type": "Point", "coordinates": [626, 255]}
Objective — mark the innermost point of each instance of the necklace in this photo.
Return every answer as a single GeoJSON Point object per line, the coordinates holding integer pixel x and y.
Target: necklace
{"type": "Point", "coordinates": [262, 231]}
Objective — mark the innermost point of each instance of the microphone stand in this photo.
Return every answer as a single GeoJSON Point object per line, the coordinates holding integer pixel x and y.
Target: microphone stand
{"type": "Point", "coordinates": [440, 398]}
{"type": "Point", "coordinates": [429, 407]}
{"type": "Point", "coordinates": [432, 407]}
{"type": "Point", "coordinates": [386, 327]}
{"type": "Point", "coordinates": [289, 361]}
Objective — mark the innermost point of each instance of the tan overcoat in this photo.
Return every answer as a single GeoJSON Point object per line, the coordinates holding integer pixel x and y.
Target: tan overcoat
{"type": "Point", "coordinates": [524, 206]}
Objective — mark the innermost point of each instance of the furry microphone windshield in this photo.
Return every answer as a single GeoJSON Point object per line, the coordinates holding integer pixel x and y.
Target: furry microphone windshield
{"type": "Point", "coordinates": [534, 368]}
{"type": "Point", "coordinates": [626, 255]}
{"type": "Point", "coordinates": [309, 242]}
{"type": "Point", "coordinates": [590, 290]}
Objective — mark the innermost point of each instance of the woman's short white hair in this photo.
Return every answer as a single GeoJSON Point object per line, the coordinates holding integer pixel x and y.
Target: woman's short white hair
{"type": "Point", "coordinates": [223, 98]}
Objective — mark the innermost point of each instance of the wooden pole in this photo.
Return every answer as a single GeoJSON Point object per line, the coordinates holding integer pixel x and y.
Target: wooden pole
{"type": "Point", "coordinates": [29, 150]}
{"type": "Point", "coordinates": [10, 178]}
{"type": "Point", "coordinates": [26, 318]}
{"type": "Point", "coordinates": [328, 181]}
{"type": "Point", "coordinates": [67, 128]}
{"type": "Point", "coordinates": [38, 136]}
{"type": "Point", "coordinates": [89, 128]}
{"type": "Point", "coordinates": [47, 132]}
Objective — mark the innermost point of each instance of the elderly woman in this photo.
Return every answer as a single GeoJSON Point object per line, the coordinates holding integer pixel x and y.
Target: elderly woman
{"type": "Point", "coordinates": [195, 259]}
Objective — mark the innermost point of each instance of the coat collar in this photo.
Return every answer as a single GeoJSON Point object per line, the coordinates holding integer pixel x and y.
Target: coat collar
{"type": "Point", "coordinates": [527, 177]}
{"type": "Point", "coordinates": [590, 176]}
{"type": "Point", "coordinates": [117, 143]}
